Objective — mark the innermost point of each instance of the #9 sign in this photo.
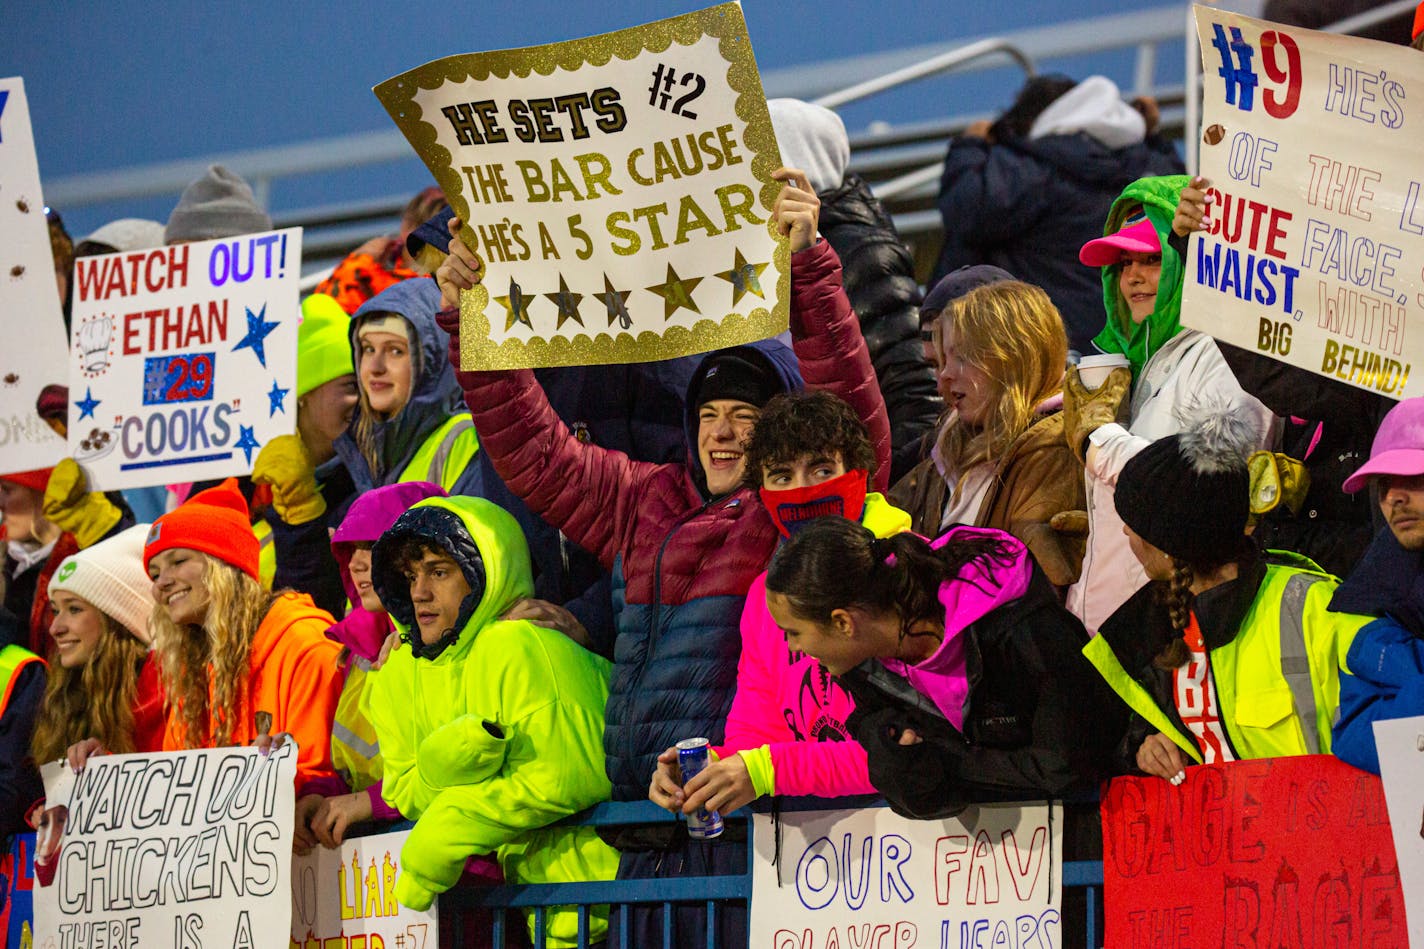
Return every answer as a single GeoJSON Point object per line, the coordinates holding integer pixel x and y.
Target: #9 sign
{"type": "Point", "coordinates": [183, 359]}
{"type": "Point", "coordinates": [617, 189]}
{"type": "Point", "coordinates": [1313, 255]}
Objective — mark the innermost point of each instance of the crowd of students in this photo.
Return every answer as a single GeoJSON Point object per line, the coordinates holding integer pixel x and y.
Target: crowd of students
{"type": "Point", "coordinates": [1040, 577]}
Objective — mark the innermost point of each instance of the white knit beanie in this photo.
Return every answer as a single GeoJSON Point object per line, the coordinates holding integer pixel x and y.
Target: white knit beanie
{"type": "Point", "coordinates": [110, 576]}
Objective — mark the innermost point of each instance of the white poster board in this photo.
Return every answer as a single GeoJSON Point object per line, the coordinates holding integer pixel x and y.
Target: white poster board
{"type": "Point", "coordinates": [184, 849]}
{"type": "Point", "coordinates": [34, 350]}
{"type": "Point", "coordinates": [1401, 757]}
{"type": "Point", "coordinates": [184, 359]}
{"type": "Point", "coordinates": [868, 878]}
{"type": "Point", "coordinates": [1314, 257]}
{"type": "Point", "coordinates": [349, 895]}
{"type": "Point", "coordinates": [617, 188]}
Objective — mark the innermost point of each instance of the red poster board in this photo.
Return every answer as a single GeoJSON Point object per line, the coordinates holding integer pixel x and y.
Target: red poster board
{"type": "Point", "coordinates": [1278, 852]}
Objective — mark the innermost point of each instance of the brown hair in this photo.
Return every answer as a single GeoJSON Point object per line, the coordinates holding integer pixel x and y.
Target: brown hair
{"type": "Point", "coordinates": [795, 423]}
{"type": "Point", "coordinates": [1014, 334]}
{"type": "Point", "coordinates": [363, 427]}
{"type": "Point", "coordinates": [835, 564]}
{"type": "Point", "coordinates": [93, 701]}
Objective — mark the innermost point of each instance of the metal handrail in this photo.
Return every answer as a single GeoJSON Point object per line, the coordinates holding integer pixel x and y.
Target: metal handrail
{"type": "Point", "coordinates": [944, 62]}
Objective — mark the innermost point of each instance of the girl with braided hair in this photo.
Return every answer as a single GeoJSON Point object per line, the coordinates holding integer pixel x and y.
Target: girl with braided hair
{"type": "Point", "coordinates": [966, 671]}
{"type": "Point", "coordinates": [1231, 652]}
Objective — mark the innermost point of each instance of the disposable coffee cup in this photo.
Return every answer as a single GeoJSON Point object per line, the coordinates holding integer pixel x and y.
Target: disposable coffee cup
{"type": "Point", "coordinates": [1093, 370]}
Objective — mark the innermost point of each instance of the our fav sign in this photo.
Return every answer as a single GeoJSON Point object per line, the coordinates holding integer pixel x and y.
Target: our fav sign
{"type": "Point", "coordinates": [867, 877]}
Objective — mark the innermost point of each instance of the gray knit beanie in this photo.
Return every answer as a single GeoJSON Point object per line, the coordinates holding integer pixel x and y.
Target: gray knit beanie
{"type": "Point", "coordinates": [219, 204]}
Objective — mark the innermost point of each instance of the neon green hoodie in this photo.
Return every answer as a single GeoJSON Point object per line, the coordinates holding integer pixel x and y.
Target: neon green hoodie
{"type": "Point", "coordinates": [1158, 198]}
{"type": "Point", "coordinates": [497, 736]}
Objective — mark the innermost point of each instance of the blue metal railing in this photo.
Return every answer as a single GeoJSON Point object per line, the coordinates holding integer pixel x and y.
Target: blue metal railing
{"type": "Point", "coordinates": [621, 895]}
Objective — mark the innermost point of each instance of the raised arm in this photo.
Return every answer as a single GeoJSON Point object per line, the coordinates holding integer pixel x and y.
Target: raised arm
{"type": "Point", "coordinates": [825, 331]}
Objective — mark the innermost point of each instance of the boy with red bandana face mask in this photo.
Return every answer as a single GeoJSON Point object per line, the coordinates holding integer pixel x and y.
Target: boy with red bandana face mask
{"type": "Point", "coordinates": [809, 457]}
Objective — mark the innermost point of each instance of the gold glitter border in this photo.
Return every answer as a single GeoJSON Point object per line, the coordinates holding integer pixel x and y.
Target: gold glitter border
{"type": "Point", "coordinates": [726, 23]}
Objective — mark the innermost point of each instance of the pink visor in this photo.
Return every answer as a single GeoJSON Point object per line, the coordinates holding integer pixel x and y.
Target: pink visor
{"type": "Point", "coordinates": [1138, 238]}
{"type": "Point", "coordinates": [1404, 462]}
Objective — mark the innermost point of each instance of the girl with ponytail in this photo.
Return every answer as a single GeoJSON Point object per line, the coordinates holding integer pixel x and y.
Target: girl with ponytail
{"type": "Point", "coordinates": [1232, 652]}
{"type": "Point", "coordinates": [967, 673]}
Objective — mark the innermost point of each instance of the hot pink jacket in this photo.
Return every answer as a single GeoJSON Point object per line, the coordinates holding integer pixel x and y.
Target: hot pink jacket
{"type": "Point", "coordinates": [786, 701]}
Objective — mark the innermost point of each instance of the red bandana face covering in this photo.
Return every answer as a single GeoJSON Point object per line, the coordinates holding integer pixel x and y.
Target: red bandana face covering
{"type": "Point", "coordinates": [794, 508]}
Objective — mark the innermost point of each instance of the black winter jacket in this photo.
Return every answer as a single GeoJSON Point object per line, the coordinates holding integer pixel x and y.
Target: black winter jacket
{"type": "Point", "coordinates": [1332, 528]}
{"type": "Point", "coordinates": [880, 281]}
{"type": "Point", "coordinates": [1039, 721]}
{"type": "Point", "coordinates": [1029, 206]}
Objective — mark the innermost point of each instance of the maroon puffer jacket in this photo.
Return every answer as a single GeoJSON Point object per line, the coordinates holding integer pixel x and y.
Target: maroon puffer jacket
{"type": "Point", "coordinates": [685, 562]}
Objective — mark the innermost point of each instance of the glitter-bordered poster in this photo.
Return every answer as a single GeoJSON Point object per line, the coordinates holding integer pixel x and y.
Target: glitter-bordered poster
{"type": "Point", "coordinates": [618, 189]}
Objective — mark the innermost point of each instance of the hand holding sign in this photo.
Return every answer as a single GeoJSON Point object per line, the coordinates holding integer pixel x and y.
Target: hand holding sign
{"type": "Point", "coordinates": [616, 188]}
{"type": "Point", "coordinates": [798, 210]}
{"type": "Point", "coordinates": [461, 270]}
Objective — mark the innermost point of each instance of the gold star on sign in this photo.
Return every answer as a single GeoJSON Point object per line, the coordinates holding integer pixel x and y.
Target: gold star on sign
{"type": "Point", "coordinates": [617, 303]}
{"type": "Point", "coordinates": [744, 277]}
{"type": "Point", "coordinates": [567, 302]}
{"type": "Point", "coordinates": [516, 305]}
{"type": "Point", "coordinates": [676, 293]}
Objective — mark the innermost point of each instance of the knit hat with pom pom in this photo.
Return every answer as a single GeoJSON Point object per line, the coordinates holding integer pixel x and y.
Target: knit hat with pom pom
{"type": "Point", "coordinates": [1188, 494]}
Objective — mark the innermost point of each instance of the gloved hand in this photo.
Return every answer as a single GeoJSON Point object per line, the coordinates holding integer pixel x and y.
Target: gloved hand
{"type": "Point", "coordinates": [1276, 479]}
{"type": "Point", "coordinates": [1071, 523]}
{"type": "Point", "coordinates": [69, 503]}
{"type": "Point", "coordinates": [283, 463]}
{"type": "Point", "coordinates": [1086, 410]}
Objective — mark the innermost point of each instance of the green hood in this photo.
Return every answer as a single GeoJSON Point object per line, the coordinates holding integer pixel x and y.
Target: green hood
{"type": "Point", "coordinates": [1158, 198]}
{"type": "Point", "coordinates": [487, 543]}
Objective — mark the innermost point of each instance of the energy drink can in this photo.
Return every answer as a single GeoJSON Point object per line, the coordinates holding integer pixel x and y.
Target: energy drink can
{"type": "Point", "coordinates": [692, 757]}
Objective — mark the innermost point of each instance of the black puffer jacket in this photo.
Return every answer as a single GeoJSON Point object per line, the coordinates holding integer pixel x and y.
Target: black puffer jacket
{"type": "Point", "coordinates": [1039, 720]}
{"type": "Point", "coordinates": [880, 281]}
{"type": "Point", "coordinates": [1029, 205]}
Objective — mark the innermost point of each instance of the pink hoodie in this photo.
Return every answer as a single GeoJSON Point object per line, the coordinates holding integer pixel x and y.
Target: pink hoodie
{"type": "Point", "coordinates": [980, 588]}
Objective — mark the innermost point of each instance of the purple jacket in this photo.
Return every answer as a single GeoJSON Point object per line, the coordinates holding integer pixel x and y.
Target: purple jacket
{"type": "Point", "coordinates": [361, 631]}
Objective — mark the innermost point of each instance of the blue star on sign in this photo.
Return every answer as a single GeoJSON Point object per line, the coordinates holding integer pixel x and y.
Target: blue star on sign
{"type": "Point", "coordinates": [276, 396]}
{"type": "Point", "coordinates": [257, 330]}
{"type": "Point", "coordinates": [247, 441]}
{"type": "Point", "coordinates": [88, 404]}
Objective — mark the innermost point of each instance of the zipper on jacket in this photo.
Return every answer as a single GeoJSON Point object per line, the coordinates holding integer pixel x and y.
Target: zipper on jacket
{"type": "Point", "coordinates": [1225, 729]}
{"type": "Point", "coordinates": [629, 751]}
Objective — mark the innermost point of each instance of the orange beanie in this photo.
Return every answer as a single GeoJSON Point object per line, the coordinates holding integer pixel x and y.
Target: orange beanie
{"type": "Point", "coordinates": [36, 480]}
{"type": "Point", "coordinates": [215, 521]}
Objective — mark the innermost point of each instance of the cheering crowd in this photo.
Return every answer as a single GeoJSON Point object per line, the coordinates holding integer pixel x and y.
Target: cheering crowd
{"type": "Point", "coordinates": [997, 542]}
